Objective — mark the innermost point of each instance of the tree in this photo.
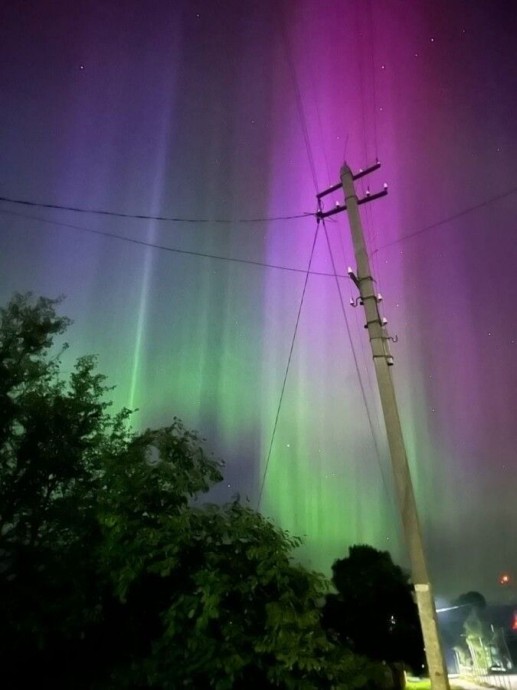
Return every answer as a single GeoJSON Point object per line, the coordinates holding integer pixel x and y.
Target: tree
{"type": "Point", "coordinates": [216, 584]}
{"type": "Point", "coordinates": [373, 611]}
{"type": "Point", "coordinates": [54, 435]}
{"type": "Point", "coordinates": [478, 645]}
{"type": "Point", "coordinates": [113, 573]}
{"type": "Point", "coordinates": [473, 601]}
{"type": "Point", "coordinates": [231, 609]}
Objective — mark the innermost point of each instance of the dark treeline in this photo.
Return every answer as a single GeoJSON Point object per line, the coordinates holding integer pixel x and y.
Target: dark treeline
{"type": "Point", "coordinates": [113, 574]}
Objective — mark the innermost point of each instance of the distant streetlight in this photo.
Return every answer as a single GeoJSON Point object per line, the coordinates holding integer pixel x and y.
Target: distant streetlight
{"type": "Point", "coordinates": [450, 608]}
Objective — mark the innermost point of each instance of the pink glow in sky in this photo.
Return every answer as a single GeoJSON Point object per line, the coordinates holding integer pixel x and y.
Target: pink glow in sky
{"type": "Point", "coordinates": [244, 110]}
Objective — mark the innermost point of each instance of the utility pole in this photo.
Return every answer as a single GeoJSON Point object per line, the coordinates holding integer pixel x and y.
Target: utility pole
{"type": "Point", "coordinates": [383, 360]}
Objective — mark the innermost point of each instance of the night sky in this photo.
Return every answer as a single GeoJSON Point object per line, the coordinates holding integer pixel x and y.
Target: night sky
{"type": "Point", "coordinates": [237, 110]}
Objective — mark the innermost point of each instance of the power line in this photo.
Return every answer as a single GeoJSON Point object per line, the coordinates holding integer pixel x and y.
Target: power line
{"type": "Point", "coordinates": [356, 363]}
{"type": "Point", "coordinates": [282, 391]}
{"type": "Point", "coordinates": [140, 216]}
{"type": "Point", "coordinates": [312, 167]}
{"type": "Point", "coordinates": [174, 250]}
{"type": "Point", "coordinates": [444, 221]}
{"type": "Point", "coordinates": [410, 235]}
{"type": "Point", "coordinates": [371, 44]}
{"type": "Point", "coordinates": [298, 97]}
{"type": "Point", "coordinates": [361, 67]}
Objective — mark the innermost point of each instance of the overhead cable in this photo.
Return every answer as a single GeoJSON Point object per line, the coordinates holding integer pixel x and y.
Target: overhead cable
{"type": "Point", "coordinates": [288, 365]}
{"type": "Point", "coordinates": [174, 250]}
{"type": "Point", "coordinates": [141, 216]}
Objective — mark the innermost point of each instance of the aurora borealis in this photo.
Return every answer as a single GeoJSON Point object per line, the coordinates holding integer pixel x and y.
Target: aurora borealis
{"type": "Point", "coordinates": [221, 110]}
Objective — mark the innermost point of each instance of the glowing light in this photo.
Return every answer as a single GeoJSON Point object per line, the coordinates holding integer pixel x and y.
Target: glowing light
{"type": "Point", "coordinates": [208, 340]}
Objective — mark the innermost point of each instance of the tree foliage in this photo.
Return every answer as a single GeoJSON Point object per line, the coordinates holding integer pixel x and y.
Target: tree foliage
{"type": "Point", "coordinates": [470, 601]}
{"type": "Point", "coordinates": [54, 435]}
{"type": "Point", "coordinates": [373, 610]}
{"type": "Point", "coordinates": [113, 573]}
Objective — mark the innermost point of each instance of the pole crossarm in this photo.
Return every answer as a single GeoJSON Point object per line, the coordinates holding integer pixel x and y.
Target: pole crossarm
{"type": "Point", "coordinates": [355, 176]}
{"type": "Point", "coordinates": [342, 207]}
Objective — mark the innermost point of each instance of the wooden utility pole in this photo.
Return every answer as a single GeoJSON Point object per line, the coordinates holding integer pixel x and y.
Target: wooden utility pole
{"type": "Point", "coordinates": [383, 360]}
